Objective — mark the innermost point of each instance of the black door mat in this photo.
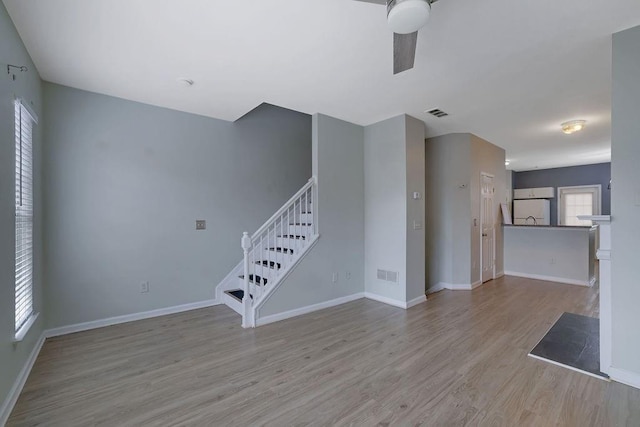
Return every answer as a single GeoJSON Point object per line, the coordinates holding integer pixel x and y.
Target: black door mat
{"type": "Point", "coordinates": [573, 342]}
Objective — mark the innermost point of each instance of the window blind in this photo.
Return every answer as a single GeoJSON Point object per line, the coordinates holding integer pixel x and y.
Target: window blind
{"type": "Point", "coordinates": [24, 215]}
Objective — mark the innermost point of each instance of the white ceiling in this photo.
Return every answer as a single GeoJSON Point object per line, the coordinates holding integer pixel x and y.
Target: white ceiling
{"type": "Point", "coordinates": [509, 71]}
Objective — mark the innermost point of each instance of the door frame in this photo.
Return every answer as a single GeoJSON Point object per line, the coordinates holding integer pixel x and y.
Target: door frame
{"type": "Point", "coordinates": [493, 270]}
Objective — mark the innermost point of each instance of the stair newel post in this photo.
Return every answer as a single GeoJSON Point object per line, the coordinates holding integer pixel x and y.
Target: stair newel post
{"type": "Point", "coordinates": [246, 299]}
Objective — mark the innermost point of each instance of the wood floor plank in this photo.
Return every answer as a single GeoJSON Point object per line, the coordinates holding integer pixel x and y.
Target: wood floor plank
{"type": "Point", "coordinates": [459, 359]}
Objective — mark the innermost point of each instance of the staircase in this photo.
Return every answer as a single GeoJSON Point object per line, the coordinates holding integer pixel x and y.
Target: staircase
{"type": "Point", "coordinates": [270, 254]}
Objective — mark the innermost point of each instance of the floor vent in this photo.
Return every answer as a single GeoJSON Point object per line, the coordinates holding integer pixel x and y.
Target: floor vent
{"type": "Point", "coordinates": [437, 113]}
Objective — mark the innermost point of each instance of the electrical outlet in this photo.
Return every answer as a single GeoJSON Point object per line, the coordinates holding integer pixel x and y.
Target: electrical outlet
{"type": "Point", "coordinates": [335, 278]}
{"type": "Point", "coordinates": [347, 275]}
{"type": "Point", "coordinates": [201, 224]}
{"type": "Point", "coordinates": [144, 287]}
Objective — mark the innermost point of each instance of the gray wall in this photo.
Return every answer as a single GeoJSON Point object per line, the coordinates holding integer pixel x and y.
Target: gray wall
{"type": "Point", "coordinates": [385, 171]}
{"type": "Point", "coordinates": [453, 166]}
{"type": "Point", "coordinates": [448, 222]}
{"type": "Point", "coordinates": [566, 177]}
{"type": "Point", "coordinates": [625, 224]}
{"type": "Point", "coordinates": [416, 262]}
{"type": "Point", "coordinates": [338, 154]}
{"type": "Point", "coordinates": [125, 183]}
{"type": "Point", "coordinates": [26, 86]}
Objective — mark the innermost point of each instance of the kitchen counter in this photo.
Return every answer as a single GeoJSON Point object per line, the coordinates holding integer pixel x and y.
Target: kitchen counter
{"type": "Point", "coordinates": [561, 254]}
{"type": "Point", "coordinates": [568, 227]}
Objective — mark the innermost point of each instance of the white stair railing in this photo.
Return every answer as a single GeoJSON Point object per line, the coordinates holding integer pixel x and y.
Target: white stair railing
{"type": "Point", "coordinates": [271, 252]}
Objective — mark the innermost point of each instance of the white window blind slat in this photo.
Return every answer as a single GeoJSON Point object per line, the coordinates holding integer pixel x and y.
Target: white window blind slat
{"type": "Point", "coordinates": [23, 216]}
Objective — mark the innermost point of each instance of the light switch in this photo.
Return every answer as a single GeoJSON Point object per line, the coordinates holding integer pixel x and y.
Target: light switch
{"type": "Point", "coordinates": [417, 225]}
{"type": "Point", "coordinates": [416, 195]}
{"type": "Point", "coordinates": [201, 224]}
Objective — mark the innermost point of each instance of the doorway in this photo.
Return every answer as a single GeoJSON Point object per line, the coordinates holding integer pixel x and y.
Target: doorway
{"type": "Point", "coordinates": [487, 227]}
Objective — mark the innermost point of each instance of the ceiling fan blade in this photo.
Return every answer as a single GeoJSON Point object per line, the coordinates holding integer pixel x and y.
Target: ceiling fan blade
{"type": "Point", "coordinates": [384, 2]}
{"type": "Point", "coordinates": [404, 51]}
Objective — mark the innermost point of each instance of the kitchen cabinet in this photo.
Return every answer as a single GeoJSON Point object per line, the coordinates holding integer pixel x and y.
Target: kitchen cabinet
{"type": "Point", "coordinates": [534, 193]}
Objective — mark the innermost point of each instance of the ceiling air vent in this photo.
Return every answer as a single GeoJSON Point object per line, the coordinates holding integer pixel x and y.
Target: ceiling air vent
{"type": "Point", "coordinates": [436, 112]}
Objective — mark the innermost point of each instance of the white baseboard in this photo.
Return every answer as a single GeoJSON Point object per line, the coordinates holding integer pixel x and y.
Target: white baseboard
{"type": "Point", "coordinates": [78, 327]}
{"type": "Point", "coordinates": [416, 301]}
{"type": "Point", "coordinates": [460, 286]}
{"type": "Point", "coordinates": [385, 300]}
{"type": "Point", "coordinates": [16, 389]}
{"type": "Point", "coordinates": [307, 309]}
{"type": "Point", "coordinates": [548, 278]}
{"type": "Point", "coordinates": [625, 377]}
{"type": "Point", "coordinates": [435, 288]}
{"type": "Point", "coordinates": [457, 287]}
{"type": "Point", "coordinates": [395, 302]}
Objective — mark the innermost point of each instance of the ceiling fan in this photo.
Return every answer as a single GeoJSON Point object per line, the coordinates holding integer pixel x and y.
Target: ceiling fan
{"type": "Point", "coordinates": [405, 18]}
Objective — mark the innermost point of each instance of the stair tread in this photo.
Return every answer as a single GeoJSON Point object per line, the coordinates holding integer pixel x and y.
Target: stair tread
{"type": "Point", "coordinates": [279, 249]}
{"type": "Point", "coordinates": [258, 281]}
{"type": "Point", "coordinates": [301, 223]}
{"type": "Point", "coordinates": [238, 294]}
{"type": "Point", "coordinates": [292, 236]}
{"type": "Point", "coordinates": [270, 264]}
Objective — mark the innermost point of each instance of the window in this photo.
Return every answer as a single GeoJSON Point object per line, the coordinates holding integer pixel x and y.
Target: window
{"type": "Point", "coordinates": [580, 200]}
{"type": "Point", "coordinates": [24, 315]}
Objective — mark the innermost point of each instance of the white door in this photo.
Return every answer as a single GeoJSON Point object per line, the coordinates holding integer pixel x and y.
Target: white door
{"type": "Point", "coordinates": [487, 222]}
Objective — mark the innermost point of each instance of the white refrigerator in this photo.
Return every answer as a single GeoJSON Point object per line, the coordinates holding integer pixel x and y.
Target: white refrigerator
{"type": "Point", "coordinates": [531, 212]}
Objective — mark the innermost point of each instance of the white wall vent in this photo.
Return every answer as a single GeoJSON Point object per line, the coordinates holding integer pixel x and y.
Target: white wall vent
{"type": "Point", "coordinates": [438, 113]}
{"type": "Point", "coordinates": [392, 276]}
{"type": "Point", "coordinates": [388, 276]}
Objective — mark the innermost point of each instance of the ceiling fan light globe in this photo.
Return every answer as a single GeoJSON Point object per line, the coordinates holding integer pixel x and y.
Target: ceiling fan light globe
{"type": "Point", "coordinates": [408, 16]}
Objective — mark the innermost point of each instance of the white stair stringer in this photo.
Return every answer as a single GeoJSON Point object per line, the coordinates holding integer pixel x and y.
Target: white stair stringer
{"type": "Point", "coordinates": [270, 255]}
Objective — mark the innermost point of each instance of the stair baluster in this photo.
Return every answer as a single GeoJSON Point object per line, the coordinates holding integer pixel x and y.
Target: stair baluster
{"type": "Point", "coordinates": [271, 253]}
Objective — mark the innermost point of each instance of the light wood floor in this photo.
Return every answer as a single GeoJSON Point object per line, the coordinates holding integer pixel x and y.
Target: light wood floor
{"type": "Point", "coordinates": [459, 359]}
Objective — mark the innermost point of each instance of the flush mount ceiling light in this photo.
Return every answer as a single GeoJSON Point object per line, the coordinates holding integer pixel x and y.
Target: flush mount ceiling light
{"type": "Point", "coordinates": [407, 16]}
{"type": "Point", "coordinates": [573, 126]}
